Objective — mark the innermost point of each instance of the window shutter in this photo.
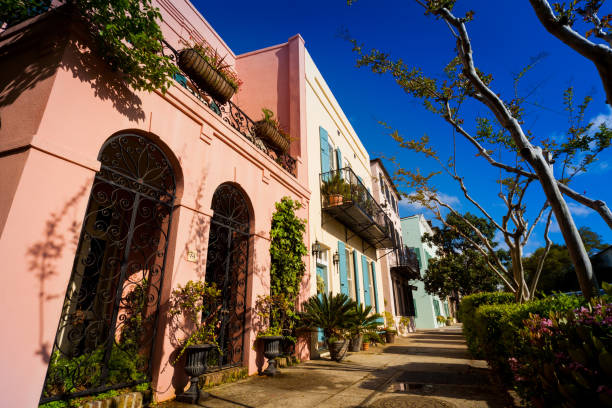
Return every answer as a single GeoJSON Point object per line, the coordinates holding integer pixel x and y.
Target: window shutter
{"type": "Point", "coordinates": [343, 268]}
{"type": "Point", "coordinates": [417, 251]}
{"type": "Point", "coordinates": [356, 277]}
{"type": "Point", "coordinates": [324, 150]}
{"type": "Point", "coordinates": [375, 287]}
{"type": "Point", "coordinates": [366, 280]}
{"type": "Point", "coordinates": [339, 158]}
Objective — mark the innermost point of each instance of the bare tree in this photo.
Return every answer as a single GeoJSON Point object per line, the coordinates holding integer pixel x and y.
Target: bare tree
{"type": "Point", "coordinates": [561, 25]}
{"type": "Point", "coordinates": [466, 81]}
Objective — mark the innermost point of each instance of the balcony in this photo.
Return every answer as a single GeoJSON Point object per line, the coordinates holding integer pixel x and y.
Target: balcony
{"type": "Point", "coordinates": [405, 264]}
{"type": "Point", "coordinates": [347, 199]}
{"type": "Point", "coordinates": [233, 116]}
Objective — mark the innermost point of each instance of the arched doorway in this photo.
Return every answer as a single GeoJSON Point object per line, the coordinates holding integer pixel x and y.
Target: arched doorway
{"type": "Point", "coordinates": [107, 327]}
{"type": "Point", "coordinates": [227, 266]}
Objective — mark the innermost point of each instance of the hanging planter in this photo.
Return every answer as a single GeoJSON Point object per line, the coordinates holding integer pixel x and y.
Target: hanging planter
{"type": "Point", "coordinates": [269, 130]}
{"type": "Point", "coordinates": [205, 75]}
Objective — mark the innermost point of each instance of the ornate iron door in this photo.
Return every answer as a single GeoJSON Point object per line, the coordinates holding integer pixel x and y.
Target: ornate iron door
{"type": "Point", "coordinates": [108, 324]}
{"type": "Point", "coordinates": [227, 266]}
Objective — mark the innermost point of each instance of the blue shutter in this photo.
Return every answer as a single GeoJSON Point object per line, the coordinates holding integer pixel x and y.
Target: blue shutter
{"type": "Point", "coordinates": [343, 268]}
{"type": "Point", "coordinates": [374, 285]}
{"type": "Point", "coordinates": [356, 276]}
{"type": "Point", "coordinates": [339, 158]}
{"type": "Point", "coordinates": [324, 150]}
{"type": "Point", "coordinates": [366, 280]}
{"type": "Point", "coordinates": [417, 251]}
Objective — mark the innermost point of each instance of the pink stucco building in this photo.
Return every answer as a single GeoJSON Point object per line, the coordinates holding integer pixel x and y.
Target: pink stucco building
{"type": "Point", "coordinates": [106, 193]}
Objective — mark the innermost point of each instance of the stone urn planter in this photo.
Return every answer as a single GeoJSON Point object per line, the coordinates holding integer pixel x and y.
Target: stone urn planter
{"type": "Point", "coordinates": [268, 132]}
{"type": "Point", "coordinates": [288, 347]}
{"type": "Point", "coordinates": [272, 349]}
{"type": "Point", "coordinates": [196, 358]}
{"type": "Point", "coordinates": [337, 350]}
{"type": "Point", "coordinates": [356, 341]}
{"type": "Point", "coordinates": [205, 76]}
{"type": "Point", "coordinates": [390, 336]}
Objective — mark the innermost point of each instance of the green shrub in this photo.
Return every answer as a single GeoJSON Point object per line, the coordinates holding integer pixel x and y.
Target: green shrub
{"type": "Point", "coordinates": [467, 310]}
{"type": "Point", "coordinates": [497, 327]}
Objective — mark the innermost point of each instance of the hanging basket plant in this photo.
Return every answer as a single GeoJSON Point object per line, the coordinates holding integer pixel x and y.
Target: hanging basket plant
{"type": "Point", "coordinates": [270, 130]}
{"type": "Point", "coordinates": [208, 70]}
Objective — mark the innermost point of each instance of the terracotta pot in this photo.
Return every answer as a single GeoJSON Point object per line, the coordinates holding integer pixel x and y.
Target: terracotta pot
{"type": "Point", "coordinates": [268, 132]}
{"type": "Point", "coordinates": [366, 345]}
{"type": "Point", "coordinates": [205, 76]}
{"type": "Point", "coordinates": [196, 358]}
{"type": "Point", "coordinates": [335, 199]}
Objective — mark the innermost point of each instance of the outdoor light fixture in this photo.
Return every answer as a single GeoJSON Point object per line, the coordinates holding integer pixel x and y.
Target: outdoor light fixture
{"type": "Point", "coordinates": [316, 248]}
{"type": "Point", "coordinates": [336, 258]}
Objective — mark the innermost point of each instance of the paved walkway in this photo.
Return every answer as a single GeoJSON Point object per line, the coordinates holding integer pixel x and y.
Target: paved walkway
{"type": "Point", "coordinates": [429, 369]}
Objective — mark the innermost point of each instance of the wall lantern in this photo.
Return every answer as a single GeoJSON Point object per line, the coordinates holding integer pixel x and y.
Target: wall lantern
{"type": "Point", "coordinates": [316, 248]}
{"type": "Point", "coordinates": [336, 258]}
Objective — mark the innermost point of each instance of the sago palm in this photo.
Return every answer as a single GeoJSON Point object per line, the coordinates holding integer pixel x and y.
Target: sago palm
{"type": "Point", "coordinates": [332, 313]}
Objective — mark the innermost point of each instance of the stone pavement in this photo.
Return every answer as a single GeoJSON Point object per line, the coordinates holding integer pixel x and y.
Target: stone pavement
{"type": "Point", "coordinates": [430, 368]}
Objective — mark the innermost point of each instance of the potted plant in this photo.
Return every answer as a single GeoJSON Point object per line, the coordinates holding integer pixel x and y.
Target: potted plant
{"type": "Point", "coordinates": [276, 321]}
{"type": "Point", "coordinates": [389, 331]}
{"type": "Point", "coordinates": [449, 321]}
{"type": "Point", "coordinates": [332, 314]}
{"type": "Point", "coordinates": [371, 338]}
{"type": "Point", "coordinates": [362, 323]}
{"type": "Point", "coordinates": [336, 190]}
{"type": "Point", "coordinates": [209, 71]}
{"type": "Point", "coordinates": [194, 311]}
{"type": "Point", "coordinates": [441, 319]}
{"type": "Point", "coordinates": [269, 129]}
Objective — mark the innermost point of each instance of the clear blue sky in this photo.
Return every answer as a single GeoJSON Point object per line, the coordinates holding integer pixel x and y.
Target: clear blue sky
{"type": "Point", "coordinates": [505, 36]}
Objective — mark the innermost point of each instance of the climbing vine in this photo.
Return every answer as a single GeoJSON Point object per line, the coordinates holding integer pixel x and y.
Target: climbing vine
{"type": "Point", "coordinates": [126, 33]}
{"type": "Point", "coordinates": [287, 249]}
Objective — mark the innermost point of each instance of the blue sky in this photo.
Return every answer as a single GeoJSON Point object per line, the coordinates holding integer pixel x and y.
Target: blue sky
{"type": "Point", "coordinates": [505, 36]}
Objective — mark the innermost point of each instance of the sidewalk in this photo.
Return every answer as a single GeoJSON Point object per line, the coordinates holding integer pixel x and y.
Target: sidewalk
{"type": "Point", "coordinates": [429, 369]}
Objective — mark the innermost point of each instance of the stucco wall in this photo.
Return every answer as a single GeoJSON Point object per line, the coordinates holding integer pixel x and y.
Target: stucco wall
{"type": "Point", "coordinates": [85, 107]}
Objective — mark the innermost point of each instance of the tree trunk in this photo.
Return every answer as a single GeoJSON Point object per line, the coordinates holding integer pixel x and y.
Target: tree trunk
{"type": "Point", "coordinates": [575, 246]}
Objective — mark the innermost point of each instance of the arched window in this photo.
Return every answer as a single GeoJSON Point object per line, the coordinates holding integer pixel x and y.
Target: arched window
{"type": "Point", "coordinates": [110, 310]}
{"type": "Point", "coordinates": [227, 266]}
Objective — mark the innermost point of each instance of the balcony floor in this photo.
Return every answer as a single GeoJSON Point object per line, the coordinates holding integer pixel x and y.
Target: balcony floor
{"type": "Point", "coordinates": [360, 223]}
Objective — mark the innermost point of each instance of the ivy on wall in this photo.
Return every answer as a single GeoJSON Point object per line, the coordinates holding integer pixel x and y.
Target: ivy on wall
{"type": "Point", "coordinates": [287, 249]}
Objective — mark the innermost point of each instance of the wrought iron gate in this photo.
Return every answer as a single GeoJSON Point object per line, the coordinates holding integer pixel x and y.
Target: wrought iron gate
{"type": "Point", "coordinates": [227, 266]}
{"type": "Point", "coordinates": [108, 324]}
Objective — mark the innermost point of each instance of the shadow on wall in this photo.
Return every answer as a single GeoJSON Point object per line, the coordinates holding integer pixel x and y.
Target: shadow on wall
{"type": "Point", "coordinates": [41, 54]}
{"type": "Point", "coordinates": [61, 233]}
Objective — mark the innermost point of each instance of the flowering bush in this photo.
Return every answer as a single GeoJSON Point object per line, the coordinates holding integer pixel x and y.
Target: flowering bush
{"type": "Point", "coordinates": [566, 359]}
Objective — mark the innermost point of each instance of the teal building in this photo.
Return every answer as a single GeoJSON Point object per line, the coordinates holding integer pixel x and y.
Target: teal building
{"type": "Point", "coordinates": [427, 307]}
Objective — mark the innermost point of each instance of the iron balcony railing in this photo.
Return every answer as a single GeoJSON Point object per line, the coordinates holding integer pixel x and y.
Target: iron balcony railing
{"type": "Point", "coordinates": [346, 198]}
{"type": "Point", "coordinates": [404, 262]}
{"type": "Point", "coordinates": [232, 115]}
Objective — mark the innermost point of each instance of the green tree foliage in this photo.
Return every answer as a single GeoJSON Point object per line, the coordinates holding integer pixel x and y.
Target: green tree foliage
{"type": "Point", "coordinates": [126, 36]}
{"type": "Point", "coordinates": [557, 273]}
{"type": "Point", "coordinates": [459, 266]}
{"type": "Point", "coordinates": [287, 249]}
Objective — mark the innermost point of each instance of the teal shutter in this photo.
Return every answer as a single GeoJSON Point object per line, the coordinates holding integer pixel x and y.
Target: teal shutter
{"type": "Point", "coordinates": [417, 251]}
{"type": "Point", "coordinates": [374, 286]}
{"type": "Point", "coordinates": [343, 268]}
{"type": "Point", "coordinates": [436, 305]}
{"type": "Point", "coordinates": [366, 280]}
{"type": "Point", "coordinates": [446, 309]}
{"type": "Point", "coordinates": [324, 150]}
{"type": "Point", "coordinates": [356, 276]}
{"type": "Point", "coordinates": [339, 158]}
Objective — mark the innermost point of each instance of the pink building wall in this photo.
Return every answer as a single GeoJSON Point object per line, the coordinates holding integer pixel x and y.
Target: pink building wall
{"type": "Point", "coordinates": [57, 110]}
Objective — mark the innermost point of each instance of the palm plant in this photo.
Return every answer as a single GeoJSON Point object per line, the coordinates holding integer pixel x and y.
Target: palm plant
{"type": "Point", "coordinates": [362, 322]}
{"type": "Point", "coordinates": [331, 313]}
